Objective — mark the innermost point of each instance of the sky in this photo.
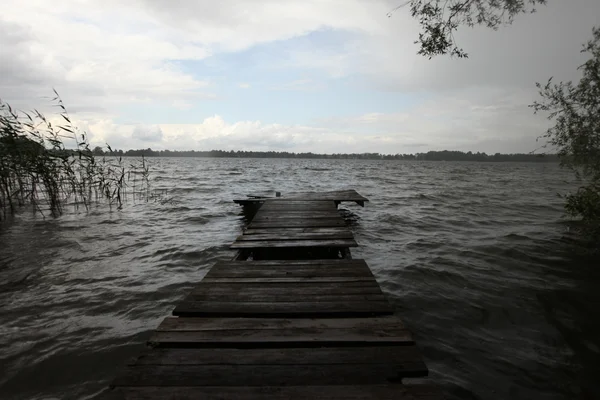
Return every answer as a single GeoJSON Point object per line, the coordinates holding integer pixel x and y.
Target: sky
{"type": "Point", "coordinates": [325, 76]}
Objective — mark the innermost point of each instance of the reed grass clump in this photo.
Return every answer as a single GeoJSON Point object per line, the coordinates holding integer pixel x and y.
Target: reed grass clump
{"type": "Point", "coordinates": [49, 166]}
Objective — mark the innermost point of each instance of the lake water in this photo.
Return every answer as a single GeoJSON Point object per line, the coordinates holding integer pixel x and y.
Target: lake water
{"type": "Point", "coordinates": [475, 256]}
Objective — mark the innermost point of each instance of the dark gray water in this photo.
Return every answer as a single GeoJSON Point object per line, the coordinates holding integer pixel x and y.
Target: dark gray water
{"type": "Point", "coordinates": [473, 255]}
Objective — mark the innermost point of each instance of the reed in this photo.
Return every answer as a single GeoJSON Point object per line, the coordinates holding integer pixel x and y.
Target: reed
{"type": "Point", "coordinates": [38, 170]}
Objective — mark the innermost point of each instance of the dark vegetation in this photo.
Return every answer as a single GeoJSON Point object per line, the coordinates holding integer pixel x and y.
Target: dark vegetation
{"type": "Point", "coordinates": [444, 155]}
{"type": "Point", "coordinates": [440, 19]}
{"type": "Point", "coordinates": [38, 170]}
{"type": "Point", "coordinates": [575, 111]}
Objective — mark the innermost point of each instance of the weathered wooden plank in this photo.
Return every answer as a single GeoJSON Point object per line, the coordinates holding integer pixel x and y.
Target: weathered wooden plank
{"type": "Point", "coordinates": [322, 268]}
{"type": "Point", "coordinates": [334, 392]}
{"type": "Point", "coordinates": [257, 375]}
{"type": "Point", "coordinates": [293, 231]}
{"type": "Point", "coordinates": [288, 297]}
{"type": "Point", "coordinates": [253, 244]}
{"type": "Point", "coordinates": [306, 285]}
{"type": "Point", "coordinates": [300, 208]}
{"type": "Point", "coordinates": [289, 272]}
{"type": "Point", "coordinates": [300, 283]}
{"type": "Point", "coordinates": [299, 337]}
{"type": "Point", "coordinates": [321, 213]}
{"type": "Point", "coordinates": [276, 201]}
{"type": "Point", "coordinates": [334, 195]}
{"type": "Point", "coordinates": [298, 213]}
{"type": "Point", "coordinates": [294, 236]}
{"type": "Point", "coordinates": [330, 263]}
{"type": "Point", "coordinates": [263, 291]}
{"type": "Point", "coordinates": [407, 358]}
{"type": "Point", "coordinates": [283, 200]}
{"type": "Point", "coordinates": [365, 326]}
{"type": "Point", "coordinates": [314, 205]}
{"type": "Point", "coordinates": [302, 223]}
{"type": "Point", "coordinates": [306, 309]}
{"type": "Point", "coordinates": [307, 203]}
{"type": "Point", "coordinates": [298, 223]}
{"type": "Point", "coordinates": [312, 215]}
{"type": "Point", "coordinates": [338, 199]}
{"type": "Point", "coordinates": [293, 263]}
{"type": "Point", "coordinates": [306, 219]}
{"type": "Point", "coordinates": [316, 279]}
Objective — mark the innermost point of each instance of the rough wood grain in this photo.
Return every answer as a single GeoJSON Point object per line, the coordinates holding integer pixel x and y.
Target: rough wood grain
{"type": "Point", "coordinates": [283, 309]}
{"type": "Point", "coordinates": [294, 231]}
{"type": "Point", "coordinates": [285, 297]}
{"type": "Point", "coordinates": [275, 201]}
{"type": "Point", "coordinates": [257, 375]}
{"type": "Point", "coordinates": [300, 206]}
{"type": "Point", "coordinates": [254, 244]}
{"type": "Point", "coordinates": [298, 223]}
{"type": "Point", "coordinates": [263, 291]}
{"type": "Point", "coordinates": [312, 279]}
{"type": "Point", "coordinates": [363, 325]}
{"type": "Point", "coordinates": [297, 214]}
{"type": "Point", "coordinates": [289, 272]}
{"type": "Point", "coordinates": [294, 236]}
{"type": "Point", "coordinates": [296, 337]}
{"type": "Point", "coordinates": [337, 392]}
{"type": "Point", "coordinates": [295, 217]}
{"type": "Point", "coordinates": [276, 263]}
{"type": "Point", "coordinates": [313, 205]}
{"type": "Point", "coordinates": [407, 358]}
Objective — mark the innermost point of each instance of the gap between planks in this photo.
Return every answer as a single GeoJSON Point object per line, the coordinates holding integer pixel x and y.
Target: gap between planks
{"type": "Point", "coordinates": [337, 392]}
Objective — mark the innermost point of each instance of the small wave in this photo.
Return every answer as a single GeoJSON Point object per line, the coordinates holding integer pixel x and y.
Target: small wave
{"type": "Point", "coordinates": [455, 253]}
{"type": "Point", "coordinates": [195, 220]}
{"type": "Point", "coordinates": [110, 222]}
{"type": "Point", "coordinates": [317, 169]}
{"type": "Point", "coordinates": [517, 237]}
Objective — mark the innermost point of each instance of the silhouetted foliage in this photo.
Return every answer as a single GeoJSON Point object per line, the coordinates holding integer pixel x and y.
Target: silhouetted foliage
{"type": "Point", "coordinates": [575, 110]}
{"type": "Point", "coordinates": [429, 156]}
{"type": "Point", "coordinates": [37, 169]}
{"type": "Point", "coordinates": [439, 19]}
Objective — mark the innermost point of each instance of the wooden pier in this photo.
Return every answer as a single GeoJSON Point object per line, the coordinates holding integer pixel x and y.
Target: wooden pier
{"type": "Point", "coordinates": [292, 317]}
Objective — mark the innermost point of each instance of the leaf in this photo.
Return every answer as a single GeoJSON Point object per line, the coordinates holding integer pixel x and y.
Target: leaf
{"type": "Point", "coordinates": [64, 128]}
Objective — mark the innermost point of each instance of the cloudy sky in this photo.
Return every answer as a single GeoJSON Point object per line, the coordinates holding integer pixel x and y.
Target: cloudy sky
{"type": "Point", "coordinates": [292, 75]}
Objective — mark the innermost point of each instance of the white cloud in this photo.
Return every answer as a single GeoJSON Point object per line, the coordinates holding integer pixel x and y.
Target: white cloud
{"type": "Point", "coordinates": [102, 56]}
{"type": "Point", "coordinates": [96, 57]}
{"type": "Point", "coordinates": [147, 134]}
{"type": "Point", "coordinates": [534, 48]}
{"type": "Point", "coordinates": [232, 25]}
{"type": "Point", "coordinates": [466, 121]}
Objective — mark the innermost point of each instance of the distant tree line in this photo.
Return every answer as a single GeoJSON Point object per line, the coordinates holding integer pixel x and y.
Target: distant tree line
{"type": "Point", "coordinates": [445, 155]}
